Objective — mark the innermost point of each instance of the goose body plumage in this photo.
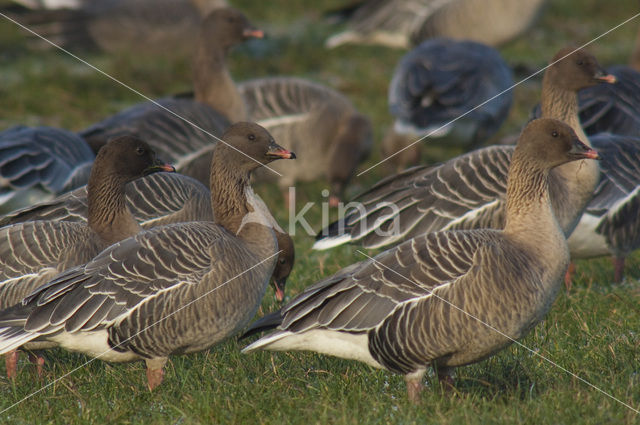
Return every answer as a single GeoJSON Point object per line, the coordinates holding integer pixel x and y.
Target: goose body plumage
{"type": "Point", "coordinates": [144, 297]}
{"type": "Point", "coordinates": [443, 80]}
{"type": "Point", "coordinates": [451, 297]}
{"type": "Point", "coordinates": [402, 24]}
{"type": "Point", "coordinates": [321, 125]}
{"type": "Point", "coordinates": [40, 162]}
{"type": "Point", "coordinates": [469, 191]}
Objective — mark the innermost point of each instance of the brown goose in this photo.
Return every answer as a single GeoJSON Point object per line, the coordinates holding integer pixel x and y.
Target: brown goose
{"type": "Point", "coordinates": [432, 300]}
{"type": "Point", "coordinates": [173, 289]}
{"type": "Point", "coordinates": [154, 200]}
{"type": "Point", "coordinates": [405, 23]}
{"type": "Point", "coordinates": [469, 191]}
{"type": "Point", "coordinates": [33, 253]}
{"type": "Point", "coordinates": [217, 102]}
{"type": "Point", "coordinates": [321, 125]}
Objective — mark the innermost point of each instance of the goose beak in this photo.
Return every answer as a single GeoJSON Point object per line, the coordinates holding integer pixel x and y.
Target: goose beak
{"type": "Point", "coordinates": [278, 152]}
{"type": "Point", "coordinates": [160, 166]}
{"type": "Point", "coordinates": [278, 287]}
{"type": "Point", "coordinates": [580, 150]}
{"type": "Point", "coordinates": [606, 78]}
{"type": "Point", "coordinates": [252, 33]}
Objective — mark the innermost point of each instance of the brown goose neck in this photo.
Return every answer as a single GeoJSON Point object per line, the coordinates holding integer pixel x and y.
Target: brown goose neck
{"type": "Point", "coordinates": [561, 104]}
{"type": "Point", "coordinates": [108, 214]}
{"type": "Point", "coordinates": [228, 192]}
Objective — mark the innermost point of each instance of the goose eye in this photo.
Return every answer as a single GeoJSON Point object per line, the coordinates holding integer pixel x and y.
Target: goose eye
{"type": "Point", "coordinates": [554, 134]}
{"type": "Point", "coordinates": [251, 137]}
{"type": "Point", "coordinates": [140, 151]}
{"type": "Point", "coordinates": [580, 63]}
{"type": "Point", "coordinates": [282, 261]}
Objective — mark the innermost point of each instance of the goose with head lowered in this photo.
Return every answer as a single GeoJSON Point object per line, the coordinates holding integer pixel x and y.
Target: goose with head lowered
{"type": "Point", "coordinates": [172, 289]}
{"type": "Point", "coordinates": [469, 191]}
{"type": "Point", "coordinates": [217, 102]}
{"type": "Point", "coordinates": [32, 253]}
{"type": "Point", "coordinates": [432, 301]}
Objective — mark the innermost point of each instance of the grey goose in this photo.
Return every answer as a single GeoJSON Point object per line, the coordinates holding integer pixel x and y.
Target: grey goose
{"type": "Point", "coordinates": [469, 191]}
{"type": "Point", "coordinates": [32, 253]}
{"type": "Point", "coordinates": [321, 125]}
{"type": "Point", "coordinates": [217, 102]}
{"type": "Point", "coordinates": [173, 289]}
{"type": "Point", "coordinates": [135, 27]}
{"type": "Point", "coordinates": [452, 92]}
{"type": "Point", "coordinates": [431, 301]}
{"type": "Point", "coordinates": [153, 200]}
{"type": "Point", "coordinates": [40, 162]}
{"type": "Point", "coordinates": [406, 23]}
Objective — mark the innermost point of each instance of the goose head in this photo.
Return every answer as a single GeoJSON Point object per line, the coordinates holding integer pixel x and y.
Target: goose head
{"type": "Point", "coordinates": [284, 264]}
{"type": "Point", "coordinates": [227, 27]}
{"type": "Point", "coordinates": [575, 70]}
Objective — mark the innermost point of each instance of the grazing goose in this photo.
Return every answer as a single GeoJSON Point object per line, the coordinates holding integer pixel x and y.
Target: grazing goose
{"type": "Point", "coordinates": [469, 191]}
{"type": "Point", "coordinates": [39, 162]}
{"type": "Point", "coordinates": [153, 200]}
{"type": "Point", "coordinates": [118, 26]}
{"type": "Point", "coordinates": [405, 23]}
{"type": "Point", "coordinates": [432, 300]}
{"type": "Point", "coordinates": [440, 81]}
{"type": "Point", "coordinates": [321, 125]}
{"type": "Point", "coordinates": [610, 224]}
{"type": "Point", "coordinates": [173, 289]}
{"type": "Point", "coordinates": [217, 102]}
{"type": "Point", "coordinates": [32, 253]}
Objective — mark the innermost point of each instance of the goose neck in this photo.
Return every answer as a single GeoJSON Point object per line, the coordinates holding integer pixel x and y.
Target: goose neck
{"type": "Point", "coordinates": [108, 214]}
{"type": "Point", "coordinates": [561, 104]}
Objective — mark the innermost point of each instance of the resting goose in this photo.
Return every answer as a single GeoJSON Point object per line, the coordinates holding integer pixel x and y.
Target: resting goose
{"type": "Point", "coordinates": [440, 81]}
{"type": "Point", "coordinates": [321, 125]}
{"type": "Point", "coordinates": [32, 253]}
{"type": "Point", "coordinates": [432, 300]}
{"type": "Point", "coordinates": [40, 162]}
{"type": "Point", "coordinates": [469, 191]}
{"type": "Point", "coordinates": [405, 23]}
{"type": "Point", "coordinates": [154, 200]}
{"type": "Point", "coordinates": [173, 289]}
{"type": "Point", "coordinates": [217, 102]}
{"type": "Point", "coordinates": [118, 26]}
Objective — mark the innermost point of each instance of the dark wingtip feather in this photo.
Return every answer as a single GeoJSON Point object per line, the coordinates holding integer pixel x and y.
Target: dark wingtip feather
{"type": "Point", "coordinates": [268, 322]}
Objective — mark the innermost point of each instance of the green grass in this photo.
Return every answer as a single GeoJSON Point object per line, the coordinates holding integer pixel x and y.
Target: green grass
{"type": "Point", "coordinates": [592, 331]}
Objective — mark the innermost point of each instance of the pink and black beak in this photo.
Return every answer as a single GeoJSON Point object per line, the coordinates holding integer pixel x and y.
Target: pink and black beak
{"type": "Point", "coordinates": [159, 166]}
{"type": "Point", "coordinates": [582, 151]}
{"type": "Point", "coordinates": [278, 287]}
{"type": "Point", "coordinates": [603, 77]}
{"type": "Point", "coordinates": [278, 152]}
{"type": "Point", "coordinates": [252, 32]}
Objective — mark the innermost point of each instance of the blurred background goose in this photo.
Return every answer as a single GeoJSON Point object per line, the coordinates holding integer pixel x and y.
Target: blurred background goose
{"type": "Point", "coordinates": [38, 163]}
{"type": "Point", "coordinates": [456, 93]}
{"type": "Point", "coordinates": [431, 301]}
{"type": "Point", "coordinates": [158, 27]}
{"type": "Point", "coordinates": [406, 23]}
{"type": "Point", "coordinates": [32, 253]}
{"type": "Point", "coordinates": [321, 125]}
{"type": "Point", "coordinates": [469, 191]}
{"type": "Point", "coordinates": [216, 102]}
{"type": "Point", "coordinates": [173, 289]}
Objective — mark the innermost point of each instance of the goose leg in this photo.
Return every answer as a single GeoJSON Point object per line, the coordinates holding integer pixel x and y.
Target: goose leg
{"type": "Point", "coordinates": [414, 385]}
{"type": "Point", "coordinates": [11, 363]}
{"type": "Point", "coordinates": [37, 360]}
{"type": "Point", "coordinates": [445, 378]}
{"type": "Point", "coordinates": [618, 267]}
{"type": "Point", "coordinates": [568, 277]}
{"type": "Point", "coordinates": [155, 371]}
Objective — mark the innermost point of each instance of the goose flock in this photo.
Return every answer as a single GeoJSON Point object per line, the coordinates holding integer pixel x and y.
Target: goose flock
{"type": "Point", "coordinates": [140, 237]}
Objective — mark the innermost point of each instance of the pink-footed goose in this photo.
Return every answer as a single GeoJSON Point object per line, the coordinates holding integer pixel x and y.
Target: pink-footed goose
{"type": "Point", "coordinates": [406, 23]}
{"type": "Point", "coordinates": [469, 191]}
{"type": "Point", "coordinates": [216, 104]}
{"type": "Point", "coordinates": [172, 289]}
{"type": "Point", "coordinates": [154, 200]}
{"type": "Point", "coordinates": [431, 301]}
{"type": "Point", "coordinates": [32, 253]}
{"type": "Point", "coordinates": [455, 92]}
{"type": "Point", "coordinates": [137, 27]}
{"type": "Point", "coordinates": [321, 125]}
{"type": "Point", "coordinates": [37, 163]}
